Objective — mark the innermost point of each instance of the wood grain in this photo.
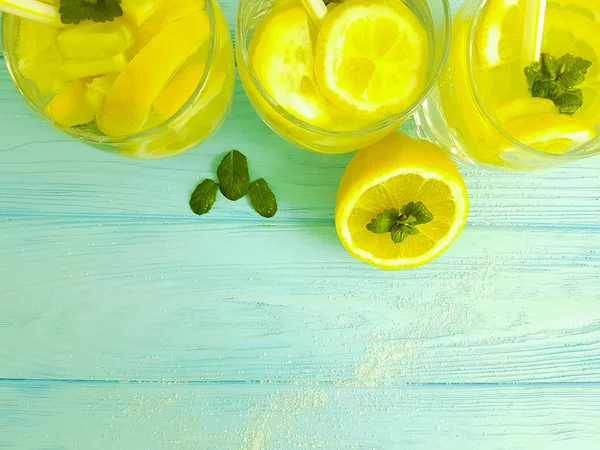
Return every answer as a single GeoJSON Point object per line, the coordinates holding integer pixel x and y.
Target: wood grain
{"type": "Point", "coordinates": [43, 172]}
{"type": "Point", "coordinates": [128, 322]}
{"type": "Point", "coordinates": [201, 300]}
{"type": "Point", "coordinates": [253, 417]}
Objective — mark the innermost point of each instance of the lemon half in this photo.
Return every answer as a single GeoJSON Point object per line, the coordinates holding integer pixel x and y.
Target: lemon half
{"type": "Point", "coordinates": [390, 174]}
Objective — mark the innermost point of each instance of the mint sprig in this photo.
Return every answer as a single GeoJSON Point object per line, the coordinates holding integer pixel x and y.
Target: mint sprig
{"type": "Point", "coordinates": [234, 184]}
{"type": "Point", "coordinates": [401, 224]}
{"type": "Point", "coordinates": [557, 80]}
{"type": "Point", "coordinates": [76, 11]}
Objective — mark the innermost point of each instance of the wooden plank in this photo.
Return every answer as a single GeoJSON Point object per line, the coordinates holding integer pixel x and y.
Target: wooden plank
{"type": "Point", "coordinates": [44, 172]}
{"type": "Point", "coordinates": [200, 300]}
{"type": "Point", "coordinates": [262, 417]}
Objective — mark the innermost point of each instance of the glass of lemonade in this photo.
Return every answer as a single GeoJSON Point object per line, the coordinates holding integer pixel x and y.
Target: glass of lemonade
{"type": "Point", "coordinates": [149, 84]}
{"type": "Point", "coordinates": [493, 107]}
{"type": "Point", "coordinates": [343, 81]}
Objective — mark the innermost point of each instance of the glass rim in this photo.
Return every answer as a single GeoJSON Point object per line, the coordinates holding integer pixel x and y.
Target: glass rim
{"type": "Point", "coordinates": [102, 139]}
{"type": "Point", "coordinates": [377, 126]}
{"type": "Point", "coordinates": [489, 118]}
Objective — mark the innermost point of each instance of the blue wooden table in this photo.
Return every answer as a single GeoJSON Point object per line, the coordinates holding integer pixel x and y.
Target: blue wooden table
{"type": "Point", "coordinates": [126, 322]}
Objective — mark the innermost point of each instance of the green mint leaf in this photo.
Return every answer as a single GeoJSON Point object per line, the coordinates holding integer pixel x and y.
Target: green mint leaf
{"type": "Point", "coordinates": [262, 198]}
{"type": "Point", "coordinates": [556, 79]}
{"type": "Point", "coordinates": [234, 178]}
{"type": "Point", "coordinates": [564, 64]}
{"type": "Point", "coordinates": [76, 11]}
{"type": "Point", "coordinates": [570, 101]}
{"type": "Point", "coordinates": [399, 233]}
{"type": "Point", "coordinates": [204, 196]}
{"type": "Point", "coordinates": [418, 211]}
{"type": "Point", "coordinates": [533, 72]}
{"type": "Point", "coordinates": [578, 68]}
{"type": "Point", "coordinates": [545, 88]}
{"type": "Point", "coordinates": [384, 222]}
{"type": "Point", "coordinates": [549, 66]}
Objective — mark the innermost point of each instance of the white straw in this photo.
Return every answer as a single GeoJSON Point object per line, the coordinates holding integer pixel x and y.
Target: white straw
{"type": "Point", "coordinates": [316, 9]}
{"type": "Point", "coordinates": [34, 10]}
{"type": "Point", "coordinates": [535, 15]}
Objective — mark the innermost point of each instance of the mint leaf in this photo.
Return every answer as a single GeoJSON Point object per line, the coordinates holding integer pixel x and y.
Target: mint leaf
{"type": "Point", "coordinates": [262, 198]}
{"type": "Point", "coordinates": [384, 222]}
{"type": "Point", "coordinates": [549, 66]}
{"type": "Point", "coordinates": [402, 224]}
{"type": "Point", "coordinates": [76, 11]}
{"type": "Point", "coordinates": [569, 102]}
{"type": "Point", "coordinates": [556, 79]}
{"type": "Point", "coordinates": [418, 211]}
{"type": "Point", "coordinates": [399, 233]}
{"type": "Point", "coordinates": [575, 75]}
{"type": "Point", "coordinates": [233, 175]}
{"type": "Point", "coordinates": [565, 63]}
{"type": "Point", "coordinates": [533, 72]}
{"type": "Point", "coordinates": [545, 88]}
{"type": "Point", "coordinates": [204, 196]}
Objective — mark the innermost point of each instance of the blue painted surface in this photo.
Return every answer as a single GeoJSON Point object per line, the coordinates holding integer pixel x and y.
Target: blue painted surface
{"type": "Point", "coordinates": [126, 322]}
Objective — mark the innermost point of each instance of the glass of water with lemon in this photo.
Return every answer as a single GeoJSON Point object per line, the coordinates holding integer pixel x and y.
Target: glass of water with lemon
{"type": "Point", "coordinates": [339, 76]}
{"type": "Point", "coordinates": [521, 89]}
{"type": "Point", "coordinates": [142, 78]}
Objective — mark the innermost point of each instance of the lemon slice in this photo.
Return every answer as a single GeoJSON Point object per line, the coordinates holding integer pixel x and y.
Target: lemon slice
{"type": "Point", "coordinates": [524, 107]}
{"type": "Point", "coordinates": [372, 57]}
{"type": "Point", "coordinates": [553, 133]}
{"type": "Point", "coordinates": [499, 32]}
{"type": "Point", "coordinates": [281, 56]}
{"type": "Point", "coordinates": [390, 174]}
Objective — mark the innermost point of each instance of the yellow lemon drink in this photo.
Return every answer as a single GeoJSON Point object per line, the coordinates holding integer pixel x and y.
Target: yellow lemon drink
{"type": "Point", "coordinates": [151, 82]}
{"type": "Point", "coordinates": [347, 80]}
{"type": "Point", "coordinates": [491, 107]}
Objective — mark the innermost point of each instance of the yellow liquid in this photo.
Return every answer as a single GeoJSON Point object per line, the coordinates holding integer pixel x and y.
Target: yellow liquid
{"type": "Point", "coordinates": [481, 131]}
{"type": "Point", "coordinates": [179, 113]}
{"type": "Point", "coordinates": [308, 118]}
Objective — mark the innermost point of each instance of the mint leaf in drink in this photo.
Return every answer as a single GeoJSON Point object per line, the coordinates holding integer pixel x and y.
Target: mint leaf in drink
{"type": "Point", "coordinates": [262, 198]}
{"type": "Point", "coordinates": [533, 72]}
{"type": "Point", "coordinates": [557, 79]}
{"type": "Point", "coordinates": [204, 196]}
{"type": "Point", "coordinates": [401, 223]}
{"type": "Point", "coordinates": [384, 222]}
{"type": "Point", "coordinates": [549, 65]}
{"type": "Point", "coordinates": [545, 88]}
{"type": "Point", "coordinates": [569, 102]}
{"type": "Point", "coordinates": [76, 11]}
{"type": "Point", "coordinates": [234, 178]}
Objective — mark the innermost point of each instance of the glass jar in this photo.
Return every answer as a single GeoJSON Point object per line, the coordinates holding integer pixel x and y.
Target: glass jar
{"type": "Point", "coordinates": [460, 116]}
{"type": "Point", "coordinates": [206, 77]}
{"type": "Point", "coordinates": [346, 135]}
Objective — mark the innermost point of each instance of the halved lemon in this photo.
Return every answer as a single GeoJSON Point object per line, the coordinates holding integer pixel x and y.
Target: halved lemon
{"type": "Point", "coordinates": [372, 57]}
{"type": "Point", "coordinates": [391, 174]}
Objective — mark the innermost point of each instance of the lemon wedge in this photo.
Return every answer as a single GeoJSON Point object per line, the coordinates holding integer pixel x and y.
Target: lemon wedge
{"type": "Point", "coordinates": [391, 174]}
{"type": "Point", "coordinates": [129, 101]}
{"type": "Point", "coordinates": [69, 107]}
{"type": "Point", "coordinates": [372, 57]}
